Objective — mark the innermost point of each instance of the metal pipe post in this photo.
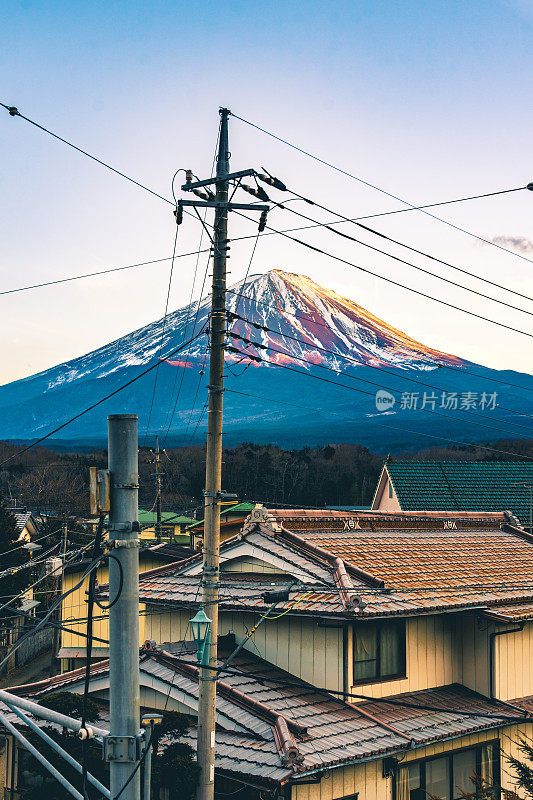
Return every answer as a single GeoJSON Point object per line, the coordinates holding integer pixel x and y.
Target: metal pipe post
{"type": "Point", "coordinates": [39, 756]}
{"type": "Point", "coordinates": [47, 713]}
{"type": "Point", "coordinates": [59, 750]}
{"type": "Point", "coordinates": [158, 490]}
{"type": "Point", "coordinates": [147, 788]}
{"type": "Point", "coordinates": [124, 702]}
{"type": "Point", "coordinates": [210, 574]}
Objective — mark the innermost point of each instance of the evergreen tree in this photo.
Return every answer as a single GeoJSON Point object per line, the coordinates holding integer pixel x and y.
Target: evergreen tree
{"type": "Point", "coordinates": [10, 585]}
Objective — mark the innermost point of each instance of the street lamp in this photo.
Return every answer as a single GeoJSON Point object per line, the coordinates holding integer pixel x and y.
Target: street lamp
{"type": "Point", "coordinates": [148, 721]}
{"type": "Point", "coordinates": [201, 632]}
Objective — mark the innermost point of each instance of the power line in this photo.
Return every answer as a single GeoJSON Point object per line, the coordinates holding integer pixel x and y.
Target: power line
{"type": "Point", "coordinates": [362, 391]}
{"type": "Point", "coordinates": [410, 264]}
{"type": "Point", "coordinates": [182, 378]}
{"type": "Point", "coordinates": [261, 346]}
{"type": "Point", "coordinates": [98, 402]}
{"type": "Point", "coordinates": [393, 427]}
{"type": "Point", "coordinates": [163, 326]}
{"type": "Point", "coordinates": [391, 281]}
{"type": "Point", "coordinates": [312, 346]}
{"type": "Point", "coordinates": [412, 207]}
{"type": "Point", "coordinates": [323, 325]}
{"type": "Point", "coordinates": [355, 221]}
{"type": "Point", "coordinates": [14, 112]}
{"type": "Point", "coordinates": [100, 272]}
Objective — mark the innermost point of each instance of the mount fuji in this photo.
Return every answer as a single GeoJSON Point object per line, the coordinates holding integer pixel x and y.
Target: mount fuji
{"type": "Point", "coordinates": [328, 360]}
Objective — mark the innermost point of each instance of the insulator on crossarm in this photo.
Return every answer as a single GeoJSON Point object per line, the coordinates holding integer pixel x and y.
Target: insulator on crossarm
{"type": "Point", "coordinates": [272, 181]}
{"type": "Point", "coordinates": [202, 195]}
{"type": "Point", "coordinates": [178, 213]}
{"type": "Point", "coordinates": [256, 191]}
{"type": "Point", "coordinates": [262, 221]}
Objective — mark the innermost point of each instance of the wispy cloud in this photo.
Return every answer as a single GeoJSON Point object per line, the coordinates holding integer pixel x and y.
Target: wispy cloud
{"type": "Point", "coordinates": [519, 243]}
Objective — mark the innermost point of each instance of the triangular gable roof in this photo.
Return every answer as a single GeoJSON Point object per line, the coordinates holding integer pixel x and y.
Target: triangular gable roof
{"type": "Point", "coordinates": [444, 564]}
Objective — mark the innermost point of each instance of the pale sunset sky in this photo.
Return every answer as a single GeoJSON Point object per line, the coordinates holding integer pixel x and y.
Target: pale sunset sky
{"type": "Point", "coordinates": [427, 100]}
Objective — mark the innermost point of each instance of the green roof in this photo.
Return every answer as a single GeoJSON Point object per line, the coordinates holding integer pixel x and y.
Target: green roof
{"type": "Point", "coordinates": [238, 507]}
{"type": "Point", "coordinates": [244, 507]}
{"type": "Point", "coordinates": [462, 486]}
{"type": "Point", "coordinates": [167, 517]}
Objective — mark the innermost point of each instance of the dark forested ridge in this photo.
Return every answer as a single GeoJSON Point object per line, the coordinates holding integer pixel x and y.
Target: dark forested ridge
{"type": "Point", "coordinates": [340, 474]}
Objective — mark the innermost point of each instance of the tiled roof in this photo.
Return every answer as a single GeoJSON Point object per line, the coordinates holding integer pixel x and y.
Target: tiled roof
{"type": "Point", "coordinates": [22, 519]}
{"type": "Point", "coordinates": [261, 710]}
{"type": "Point", "coordinates": [398, 571]}
{"type": "Point", "coordinates": [511, 612]}
{"type": "Point", "coordinates": [462, 485]}
{"type": "Point", "coordinates": [407, 559]}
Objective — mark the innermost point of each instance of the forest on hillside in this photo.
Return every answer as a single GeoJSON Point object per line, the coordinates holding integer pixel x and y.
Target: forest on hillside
{"type": "Point", "coordinates": [346, 474]}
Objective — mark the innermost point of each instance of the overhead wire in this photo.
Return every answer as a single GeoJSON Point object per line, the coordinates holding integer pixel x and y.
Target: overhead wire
{"type": "Point", "coordinates": [310, 319]}
{"type": "Point", "coordinates": [99, 272]}
{"type": "Point", "coordinates": [355, 221]}
{"type": "Point", "coordinates": [14, 112]}
{"type": "Point", "coordinates": [393, 427]}
{"type": "Point", "coordinates": [344, 357]}
{"type": "Point", "coordinates": [163, 326]}
{"type": "Point", "coordinates": [97, 403]}
{"type": "Point", "coordinates": [393, 282]}
{"type": "Point", "coordinates": [409, 263]}
{"type": "Point", "coordinates": [381, 424]}
{"type": "Point", "coordinates": [204, 229]}
{"type": "Point", "coordinates": [412, 207]}
{"type": "Point", "coordinates": [261, 346]}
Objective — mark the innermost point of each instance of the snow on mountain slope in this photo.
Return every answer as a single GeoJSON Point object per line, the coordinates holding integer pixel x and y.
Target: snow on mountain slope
{"type": "Point", "coordinates": [304, 320]}
{"type": "Point", "coordinates": [323, 320]}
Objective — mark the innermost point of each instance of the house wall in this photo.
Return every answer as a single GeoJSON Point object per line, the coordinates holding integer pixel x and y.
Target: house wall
{"type": "Point", "coordinates": [475, 653]}
{"type": "Point", "coordinates": [440, 649]}
{"type": "Point", "coordinates": [75, 607]}
{"type": "Point", "coordinates": [513, 658]}
{"type": "Point", "coordinates": [247, 564]}
{"type": "Point", "coordinates": [367, 779]}
{"type": "Point", "coordinates": [382, 501]}
{"type": "Point", "coordinates": [433, 657]}
{"type": "Point", "coordinates": [301, 646]}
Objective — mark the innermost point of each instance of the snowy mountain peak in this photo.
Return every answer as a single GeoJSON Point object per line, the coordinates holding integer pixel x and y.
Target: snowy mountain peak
{"type": "Point", "coordinates": [328, 327]}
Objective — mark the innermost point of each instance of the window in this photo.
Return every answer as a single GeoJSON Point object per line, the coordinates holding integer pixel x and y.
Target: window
{"type": "Point", "coordinates": [378, 651]}
{"type": "Point", "coordinates": [390, 489]}
{"type": "Point", "coordinates": [447, 776]}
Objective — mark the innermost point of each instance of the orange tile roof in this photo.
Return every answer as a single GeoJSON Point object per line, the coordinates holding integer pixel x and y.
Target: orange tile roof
{"type": "Point", "coordinates": [407, 559]}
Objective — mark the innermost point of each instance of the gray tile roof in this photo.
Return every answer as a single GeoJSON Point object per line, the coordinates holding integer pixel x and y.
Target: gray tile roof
{"type": "Point", "coordinates": [326, 731]}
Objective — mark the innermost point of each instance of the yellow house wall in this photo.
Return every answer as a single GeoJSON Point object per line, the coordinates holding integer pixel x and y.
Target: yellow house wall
{"type": "Point", "coordinates": [300, 646]}
{"type": "Point", "coordinates": [513, 663]}
{"type": "Point", "coordinates": [75, 607]}
{"type": "Point", "coordinates": [368, 780]}
{"type": "Point", "coordinates": [382, 501]}
{"type": "Point", "coordinates": [433, 657]}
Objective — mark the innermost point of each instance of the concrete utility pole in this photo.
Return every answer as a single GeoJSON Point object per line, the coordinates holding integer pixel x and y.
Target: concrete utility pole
{"type": "Point", "coordinates": [123, 743]}
{"type": "Point", "coordinates": [213, 492]}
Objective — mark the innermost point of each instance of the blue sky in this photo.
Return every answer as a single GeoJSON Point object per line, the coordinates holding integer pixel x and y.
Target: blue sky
{"type": "Point", "coordinates": [428, 100]}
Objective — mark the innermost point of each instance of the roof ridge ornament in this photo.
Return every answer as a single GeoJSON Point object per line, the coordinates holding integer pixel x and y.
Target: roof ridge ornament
{"type": "Point", "coordinates": [259, 515]}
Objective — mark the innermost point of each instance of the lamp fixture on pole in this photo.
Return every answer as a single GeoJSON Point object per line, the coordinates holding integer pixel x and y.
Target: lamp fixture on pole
{"type": "Point", "coordinates": [201, 632]}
